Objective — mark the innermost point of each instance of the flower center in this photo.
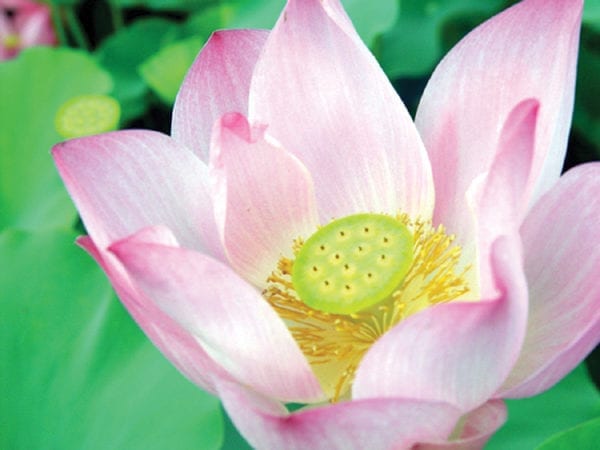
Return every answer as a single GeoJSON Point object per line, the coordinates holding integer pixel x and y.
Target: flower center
{"type": "Point", "coordinates": [353, 263]}
{"type": "Point", "coordinates": [85, 115]}
{"type": "Point", "coordinates": [12, 41]}
{"type": "Point", "coordinates": [353, 280]}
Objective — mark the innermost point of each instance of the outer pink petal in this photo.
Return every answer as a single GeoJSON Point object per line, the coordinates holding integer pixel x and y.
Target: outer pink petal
{"type": "Point", "coordinates": [6, 29]}
{"type": "Point", "coordinates": [128, 180]}
{"type": "Point", "coordinates": [34, 26]}
{"type": "Point", "coordinates": [459, 353]}
{"type": "Point", "coordinates": [217, 83]}
{"type": "Point", "coordinates": [227, 316]}
{"type": "Point", "coordinates": [476, 428]}
{"type": "Point", "coordinates": [263, 197]}
{"type": "Point", "coordinates": [178, 345]}
{"type": "Point", "coordinates": [364, 424]}
{"type": "Point", "coordinates": [528, 51]}
{"type": "Point", "coordinates": [501, 203]}
{"type": "Point", "coordinates": [562, 264]}
{"type": "Point", "coordinates": [18, 4]}
{"type": "Point", "coordinates": [326, 100]}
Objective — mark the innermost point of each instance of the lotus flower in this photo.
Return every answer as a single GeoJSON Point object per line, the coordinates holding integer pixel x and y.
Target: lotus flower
{"type": "Point", "coordinates": [299, 239]}
{"type": "Point", "coordinates": [28, 24]}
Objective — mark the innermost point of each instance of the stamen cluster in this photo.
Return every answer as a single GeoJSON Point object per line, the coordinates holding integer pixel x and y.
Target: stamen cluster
{"type": "Point", "coordinates": [333, 343]}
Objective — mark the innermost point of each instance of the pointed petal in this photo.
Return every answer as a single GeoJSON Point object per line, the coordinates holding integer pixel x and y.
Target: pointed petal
{"type": "Point", "coordinates": [527, 51]}
{"type": "Point", "coordinates": [128, 180]}
{"type": "Point", "coordinates": [227, 316]}
{"type": "Point", "coordinates": [356, 425]}
{"type": "Point", "coordinates": [562, 264]}
{"type": "Point", "coordinates": [172, 340]}
{"type": "Point", "coordinates": [476, 428]}
{"type": "Point", "coordinates": [34, 26]}
{"type": "Point", "coordinates": [6, 28]}
{"type": "Point", "coordinates": [502, 198]}
{"type": "Point", "coordinates": [263, 196]}
{"type": "Point", "coordinates": [217, 83]}
{"type": "Point", "coordinates": [326, 100]}
{"type": "Point", "coordinates": [555, 369]}
{"type": "Point", "coordinates": [460, 352]}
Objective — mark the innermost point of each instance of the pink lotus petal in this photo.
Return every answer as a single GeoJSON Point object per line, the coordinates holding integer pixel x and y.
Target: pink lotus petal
{"type": "Point", "coordinates": [34, 25]}
{"type": "Point", "coordinates": [363, 424]}
{"type": "Point", "coordinates": [128, 180]}
{"type": "Point", "coordinates": [7, 28]}
{"type": "Point", "coordinates": [15, 4]}
{"type": "Point", "coordinates": [263, 197]}
{"type": "Point", "coordinates": [460, 352]}
{"type": "Point", "coordinates": [502, 195]}
{"type": "Point", "coordinates": [174, 342]}
{"type": "Point", "coordinates": [227, 316]}
{"type": "Point", "coordinates": [476, 430]}
{"type": "Point", "coordinates": [6, 25]}
{"type": "Point", "coordinates": [217, 83]}
{"type": "Point", "coordinates": [527, 51]}
{"type": "Point", "coordinates": [30, 23]}
{"type": "Point", "coordinates": [562, 264]}
{"type": "Point", "coordinates": [326, 100]}
{"type": "Point", "coordinates": [555, 369]}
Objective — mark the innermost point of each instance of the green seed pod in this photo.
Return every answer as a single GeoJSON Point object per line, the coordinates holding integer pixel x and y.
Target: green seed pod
{"type": "Point", "coordinates": [85, 115]}
{"type": "Point", "coordinates": [353, 263]}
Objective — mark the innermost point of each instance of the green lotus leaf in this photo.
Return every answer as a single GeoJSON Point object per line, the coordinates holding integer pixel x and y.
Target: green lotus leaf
{"type": "Point", "coordinates": [165, 70]}
{"type": "Point", "coordinates": [414, 44]}
{"type": "Point", "coordinates": [530, 421]}
{"type": "Point", "coordinates": [76, 371]}
{"type": "Point", "coordinates": [32, 88]}
{"type": "Point", "coordinates": [122, 53]}
{"type": "Point", "coordinates": [582, 437]}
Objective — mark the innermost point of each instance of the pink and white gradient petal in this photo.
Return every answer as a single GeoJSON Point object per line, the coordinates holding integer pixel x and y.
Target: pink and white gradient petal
{"type": "Point", "coordinates": [262, 195]}
{"type": "Point", "coordinates": [127, 180]}
{"type": "Point", "coordinates": [18, 4]}
{"type": "Point", "coordinates": [386, 423]}
{"type": "Point", "coordinates": [527, 51]}
{"type": "Point", "coordinates": [327, 101]}
{"type": "Point", "coordinates": [475, 429]}
{"type": "Point", "coordinates": [6, 29]}
{"type": "Point", "coordinates": [217, 83]}
{"type": "Point", "coordinates": [178, 345]}
{"type": "Point", "coordinates": [501, 194]}
{"type": "Point", "coordinates": [226, 315]}
{"type": "Point", "coordinates": [34, 25]}
{"type": "Point", "coordinates": [458, 353]}
{"type": "Point", "coordinates": [562, 264]}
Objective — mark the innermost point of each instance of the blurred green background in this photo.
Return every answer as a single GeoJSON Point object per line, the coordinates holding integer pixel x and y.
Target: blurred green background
{"type": "Point", "coordinates": [75, 371]}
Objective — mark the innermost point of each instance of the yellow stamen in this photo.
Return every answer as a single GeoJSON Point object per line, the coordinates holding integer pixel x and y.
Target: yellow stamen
{"type": "Point", "coordinates": [12, 42]}
{"type": "Point", "coordinates": [335, 343]}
